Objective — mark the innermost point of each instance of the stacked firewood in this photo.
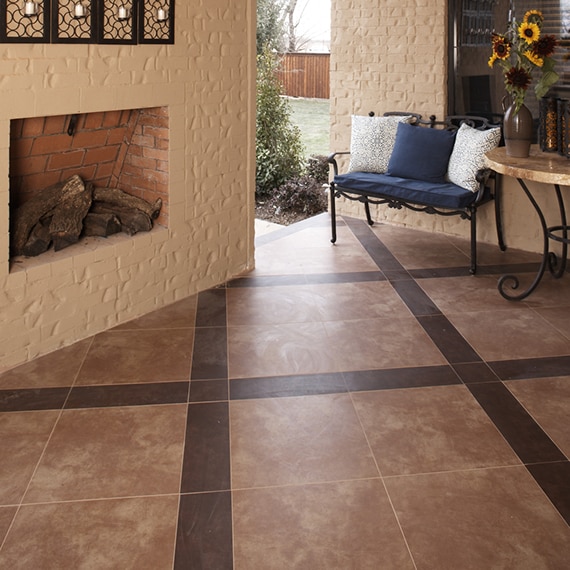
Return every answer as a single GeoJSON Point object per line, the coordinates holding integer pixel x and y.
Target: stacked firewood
{"type": "Point", "coordinates": [61, 214]}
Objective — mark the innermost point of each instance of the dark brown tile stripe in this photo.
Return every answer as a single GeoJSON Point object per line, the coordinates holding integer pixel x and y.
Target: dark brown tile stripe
{"type": "Point", "coordinates": [515, 268]}
{"type": "Point", "coordinates": [379, 253]}
{"type": "Point", "coordinates": [204, 538]}
{"type": "Point", "coordinates": [28, 399]}
{"type": "Point", "coordinates": [128, 395]}
{"type": "Point", "coordinates": [367, 380]}
{"type": "Point", "coordinates": [283, 386]}
{"type": "Point", "coordinates": [523, 434]}
{"type": "Point", "coordinates": [268, 281]}
{"type": "Point", "coordinates": [531, 367]}
{"type": "Point", "coordinates": [452, 345]}
{"type": "Point", "coordinates": [554, 479]}
{"type": "Point", "coordinates": [206, 465]}
{"type": "Point", "coordinates": [211, 309]}
{"type": "Point", "coordinates": [446, 337]}
{"type": "Point", "coordinates": [210, 355]}
{"type": "Point", "coordinates": [415, 298]}
{"type": "Point", "coordinates": [471, 372]}
{"type": "Point", "coordinates": [208, 390]}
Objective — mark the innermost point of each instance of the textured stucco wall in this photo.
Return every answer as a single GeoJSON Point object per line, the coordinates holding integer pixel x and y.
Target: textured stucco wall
{"type": "Point", "coordinates": [391, 56]}
{"type": "Point", "coordinates": [207, 80]}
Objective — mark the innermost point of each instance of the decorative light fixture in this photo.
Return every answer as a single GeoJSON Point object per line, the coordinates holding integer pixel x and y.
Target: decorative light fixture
{"type": "Point", "coordinates": [79, 10]}
{"type": "Point", "coordinates": [31, 8]}
{"type": "Point", "coordinates": [25, 21]}
{"type": "Point", "coordinates": [74, 21]}
{"type": "Point", "coordinates": [156, 22]}
{"type": "Point", "coordinates": [161, 14]}
{"type": "Point", "coordinates": [123, 12]}
{"type": "Point", "coordinates": [87, 21]}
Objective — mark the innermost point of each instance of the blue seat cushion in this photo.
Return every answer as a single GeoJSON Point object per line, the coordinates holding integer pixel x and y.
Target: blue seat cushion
{"type": "Point", "coordinates": [439, 194]}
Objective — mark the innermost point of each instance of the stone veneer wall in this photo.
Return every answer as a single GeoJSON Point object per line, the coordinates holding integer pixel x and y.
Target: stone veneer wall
{"type": "Point", "coordinates": [207, 82]}
{"type": "Point", "coordinates": [391, 56]}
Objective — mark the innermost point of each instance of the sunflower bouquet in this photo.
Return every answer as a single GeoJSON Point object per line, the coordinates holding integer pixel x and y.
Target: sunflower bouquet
{"type": "Point", "coordinates": [522, 50]}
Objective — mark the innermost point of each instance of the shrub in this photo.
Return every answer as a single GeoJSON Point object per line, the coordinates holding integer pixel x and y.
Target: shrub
{"type": "Point", "coordinates": [278, 147]}
{"type": "Point", "coordinates": [304, 196]}
{"type": "Point", "coordinates": [318, 168]}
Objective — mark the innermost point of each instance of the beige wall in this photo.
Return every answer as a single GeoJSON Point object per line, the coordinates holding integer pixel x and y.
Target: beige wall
{"type": "Point", "coordinates": [391, 56]}
{"type": "Point", "coordinates": [207, 80]}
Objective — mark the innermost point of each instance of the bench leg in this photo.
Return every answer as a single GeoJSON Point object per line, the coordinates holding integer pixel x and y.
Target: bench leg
{"type": "Point", "coordinates": [368, 216]}
{"type": "Point", "coordinates": [473, 268]}
{"type": "Point", "coordinates": [333, 214]}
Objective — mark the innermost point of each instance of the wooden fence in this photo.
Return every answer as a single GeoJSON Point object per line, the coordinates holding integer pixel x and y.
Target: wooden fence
{"type": "Point", "coordinates": [306, 75]}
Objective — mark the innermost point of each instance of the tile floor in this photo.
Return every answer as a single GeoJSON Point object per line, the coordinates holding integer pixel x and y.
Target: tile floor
{"type": "Point", "coordinates": [367, 405]}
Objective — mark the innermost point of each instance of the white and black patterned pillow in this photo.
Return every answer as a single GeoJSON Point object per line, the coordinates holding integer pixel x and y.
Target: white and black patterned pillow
{"type": "Point", "coordinates": [468, 155]}
{"type": "Point", "coordinates": [372, 141]}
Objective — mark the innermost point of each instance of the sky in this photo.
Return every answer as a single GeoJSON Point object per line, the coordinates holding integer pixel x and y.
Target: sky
{"type": "Point", "coordinates": [314, 17]}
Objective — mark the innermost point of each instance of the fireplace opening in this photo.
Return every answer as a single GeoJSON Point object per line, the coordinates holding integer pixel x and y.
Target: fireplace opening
{"type": "Point", "coordinates": [113, 153]}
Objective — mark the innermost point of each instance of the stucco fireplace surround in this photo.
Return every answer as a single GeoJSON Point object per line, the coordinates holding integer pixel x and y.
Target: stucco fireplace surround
{"type": "Point", "coordinates": [204, 85]}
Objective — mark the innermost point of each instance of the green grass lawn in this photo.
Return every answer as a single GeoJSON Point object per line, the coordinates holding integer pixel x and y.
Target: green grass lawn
{"type": "Point", "coordinates": [312, 116]}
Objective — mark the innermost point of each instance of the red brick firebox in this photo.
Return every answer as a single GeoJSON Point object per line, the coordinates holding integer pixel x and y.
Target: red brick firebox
{"type": "Point", "coordinates": [114, 149]}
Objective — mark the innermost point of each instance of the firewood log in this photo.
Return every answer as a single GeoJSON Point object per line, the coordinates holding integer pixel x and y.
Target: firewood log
{"type": "Point", "coordinates": [32, 211]}
{"type": "Point", "coordinates": [67, 221]}
{"type": "Point", "coordinates": [123, 200]}
{"type": "Point", "coordinates": [132, 220]}
{"type": "Point", "coordinates": [101, 225]}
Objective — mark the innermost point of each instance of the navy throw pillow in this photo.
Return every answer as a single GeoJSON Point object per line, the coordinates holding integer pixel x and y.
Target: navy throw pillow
{"type": "Point", "coordinates": [421, 153]}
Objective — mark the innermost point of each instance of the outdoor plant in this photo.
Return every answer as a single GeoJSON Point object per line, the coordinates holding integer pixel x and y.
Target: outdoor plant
{"type": "Point", "coordinates": [278, 146]}
{"type": "Point", "coordinates": [523, 51]}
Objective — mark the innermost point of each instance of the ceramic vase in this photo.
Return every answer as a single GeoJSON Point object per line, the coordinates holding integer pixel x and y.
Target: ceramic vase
{"type": "Point", "coordinates": [517, 129]}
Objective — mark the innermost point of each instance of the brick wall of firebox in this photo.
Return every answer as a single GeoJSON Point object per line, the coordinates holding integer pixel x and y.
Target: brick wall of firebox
{"type": "Point", "coordinates": [125, 149]}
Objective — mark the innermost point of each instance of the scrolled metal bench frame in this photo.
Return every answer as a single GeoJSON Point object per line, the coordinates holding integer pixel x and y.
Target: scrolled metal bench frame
{"type": "Point", "coordinates": [486, 193]}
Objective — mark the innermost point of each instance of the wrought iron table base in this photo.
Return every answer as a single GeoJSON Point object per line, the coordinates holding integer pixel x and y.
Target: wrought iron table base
{"type": "Point", "coordinates": [556, 266]}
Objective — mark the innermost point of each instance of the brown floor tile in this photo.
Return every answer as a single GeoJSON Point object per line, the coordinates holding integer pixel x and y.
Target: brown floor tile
{"type": "Point", "coordinates": [548, 402]}
{"type": "Point", "coordinates": [510, 334]}
{"type": "Point", "coordinates": [297, 440]}
{"type": "Point", "coordinates": [58, 368]}
{"type": "Point", "coordinates": [364, 300]}
{"type": "Point", "coordinates": [381, 343]}
{"type": "Point", "coordinates": [126, 533]}
{"type": "Point", "coordinates": [138, 356]}
{"type": "Point", "coordinates": [414, 249]}
{"type": "Point", "coordinates": [467, 294]}
{"type": "Point", "coordinates": [430, 429]}
{"type": "Point", "coordinates": [558, 317]}
{"type": "Point", "coordinates": [6, 517]}
{"type": "Point", "coordinates": [271, 305]}
{"type": "Point", "coordinates": [181, 314]}
{"type": "Point", "coordinates": [23, 436]}
{"type": "Point", "coordinates": [277, 350]}
{"type": "Point", "coordinates": [112, 452]}
{"type": "Point", "coordinates": [318, 527]}
{"type": "Point", "coordinates": [482, 519]}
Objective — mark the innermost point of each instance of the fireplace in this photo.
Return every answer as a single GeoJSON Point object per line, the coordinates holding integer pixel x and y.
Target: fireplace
{"type": "Point", "coordinates": [125, 149]}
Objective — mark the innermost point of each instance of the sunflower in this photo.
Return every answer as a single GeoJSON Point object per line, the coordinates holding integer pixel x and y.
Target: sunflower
{"type": "Point", "coordinates": [545, 45]}
{"type": "Point", "coordinates": [534, 58]}
{"type": "Point", "coordinates": [533, 16]}
{"type": "Point", "coordinates": [522, 51]}
{"type": "Point", "coordinates": [501, 47]}
{"type": "Point", "coordinates": [518, 78]}
{"type": "Point", "coordinates": [529, 32]}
